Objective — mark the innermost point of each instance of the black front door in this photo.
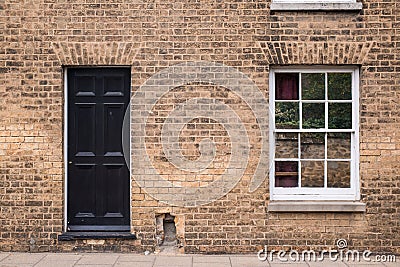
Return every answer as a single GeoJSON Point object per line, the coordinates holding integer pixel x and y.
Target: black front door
{"type": "Point", "coordinates": [98, 177]}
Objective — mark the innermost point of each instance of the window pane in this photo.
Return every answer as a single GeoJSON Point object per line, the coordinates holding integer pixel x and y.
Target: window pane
{"type": "Point", "coordinates": [286, 86]}
{"type": "Point", "coordinates": [286, 173]}
{"type": "Point", "coordinates": [339, 174]}
{"type": "Point", "coordinates": [339, 116]}
{"type": "Point", "coordinates": [312, 145]}
{"type": "Point", "coordinates": [286, 145]}
{"type": "Point", "coordinates": [313, 86]}
{"type": "Point", "coordinates": [339, 86]}
{"type": "Point", "coordinates": [312, 174]}
{"type": "Point", "coordinates": [339, 145]}
{"type": "Point", "coordinates": [287, 115]}
{"type": "Point", "coordinates": [313, 115]}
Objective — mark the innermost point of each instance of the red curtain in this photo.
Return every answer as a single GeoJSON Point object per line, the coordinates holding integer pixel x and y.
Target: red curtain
{"type": "Point", "coordinates": [286, 86]}
{"type": "Point", "coordinates": [286, 180]}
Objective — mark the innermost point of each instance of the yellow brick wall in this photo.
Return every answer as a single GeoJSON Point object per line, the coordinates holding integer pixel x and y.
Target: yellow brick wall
{"type": "Point", "coordinates": [39, 38]}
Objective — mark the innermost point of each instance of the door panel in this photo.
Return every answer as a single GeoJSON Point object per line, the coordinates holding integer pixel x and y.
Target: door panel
{"type": "Point", "coordinates": [98, 179]}
{"type": "Point", "coordinates": [82, 185]}
{"type": "Point", "coordinates": [113, 85]}
{"type": "Point", "coordinates": [84, 85]}
{"type": "Point", "coordinates": [85, 129]}
{"type": "Point", "coordinates": [116, 192]}
{"type": "Point", "coordinates": [113, 117]}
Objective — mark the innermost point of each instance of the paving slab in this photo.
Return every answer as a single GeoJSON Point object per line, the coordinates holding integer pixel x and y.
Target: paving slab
{"type": "Point", "coordinates": [136, 258]}
{"type": "Point", "coordinates": [288, 264]}
{"type": "Point", "coordinates": [326, 263]}
{"type": "Point", "coordinates": [44, 263]}
{"type": "Point", "coordinates": [134, 264]}
{"type": "Point", "coordinates": [392, 264]}
{"type": "Point", "coordinates": [247, 261]}
{"type": "Point", "coordinates": [168, 261]}
{"type": "Point", "coordinates": [211, 259]}
{"type": "Point", "coordinates": [98, 259]}
{"type": "Point", "coordinates": [16, 265]}
{"type": "Point", "coordinates": [366, 265]}
{"type": "Point", "coordinates": [363, 263]}
{"type": "Point", "coordinates": [23, 258]}
{"type": "Point", "coordinates": [4, 255]}
{"type": "Point", "coordinates": [140, 260]}
{"type": "Point", "coordinates": [211, 264]}
{"type": "Point", "coordinates": [62, 257]}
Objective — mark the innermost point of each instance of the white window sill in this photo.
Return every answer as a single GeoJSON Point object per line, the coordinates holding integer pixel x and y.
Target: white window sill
{"type": "Point", "coordinates": [316, 206]}
{"type": "Point", "coordinates": [287, 6]}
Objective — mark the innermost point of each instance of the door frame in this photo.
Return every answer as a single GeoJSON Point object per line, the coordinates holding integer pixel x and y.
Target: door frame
{"type": "Point", "coordinates": [65, 142]}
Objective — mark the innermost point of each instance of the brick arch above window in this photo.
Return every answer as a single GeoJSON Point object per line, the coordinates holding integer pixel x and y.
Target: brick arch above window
{"type": "Point", "coordinates": [95, 53]}
{"type": "Point", "coordinates": [327, 53]}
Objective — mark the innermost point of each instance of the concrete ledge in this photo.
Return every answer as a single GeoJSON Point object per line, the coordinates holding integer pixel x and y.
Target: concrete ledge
{"type": "Point", "coordinates": [316, 6]}
{"type": "Point", "coordinates": [316, 206]}
{"type": "Point", "coordinates": [69, 236]}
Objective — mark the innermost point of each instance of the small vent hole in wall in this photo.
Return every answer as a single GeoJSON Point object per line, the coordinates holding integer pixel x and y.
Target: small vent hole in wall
{"type": "Point", "coordinates": [169, 230]}
{"type": "Point", "coordinates": [166, 230]}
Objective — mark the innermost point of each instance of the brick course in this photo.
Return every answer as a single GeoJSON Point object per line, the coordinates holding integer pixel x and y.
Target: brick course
{"type": "Point", "coordinates": [39, 38]}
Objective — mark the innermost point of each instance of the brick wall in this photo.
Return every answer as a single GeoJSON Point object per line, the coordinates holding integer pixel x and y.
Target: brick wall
{"type": "Point", "coordinates": [41, 37]}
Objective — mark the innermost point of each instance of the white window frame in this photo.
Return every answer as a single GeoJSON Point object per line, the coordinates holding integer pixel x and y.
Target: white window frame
{"type": "Point", "coordinates": [292, 193]}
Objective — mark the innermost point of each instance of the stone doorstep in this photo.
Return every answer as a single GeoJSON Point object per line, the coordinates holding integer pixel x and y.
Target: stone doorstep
{"type": "Point", "coordinates": [70, 236]}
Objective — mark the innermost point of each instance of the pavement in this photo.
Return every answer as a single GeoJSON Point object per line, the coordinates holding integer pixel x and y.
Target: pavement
{"type": "Point", "coordinates": [159, 260]}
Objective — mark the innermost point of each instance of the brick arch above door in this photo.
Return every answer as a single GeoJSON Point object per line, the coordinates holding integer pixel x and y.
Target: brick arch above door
{"type": "Point", "coordinates": [312, 53]}
{"type": "Point", "coordinates": [95, 53]}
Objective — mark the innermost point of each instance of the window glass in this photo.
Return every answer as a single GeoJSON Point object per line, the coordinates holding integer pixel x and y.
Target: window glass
{"type": "Point", "coordinates": [339, 174]}
{"type": "Point", "coordinates": [313, 115]}
{"type": "Point", "coordinates": [287, 86]}
{"type": "Point", "coordinates": [313, 86]}
{"type": "Point", "coordinates": [286, 174]}
{"type": "Point", "coordinates": [286, 145]}
{"type": "Point", "coordinates": [312, 145]}
{"type": "Point", "coordinates": [312, 174]}
{"type": "Point", "coordinates": [287, 115]}
{"type": "Point", "coordinates": [339, 145]}
{"type": "Point", "coordinates": [339, 86]}
{"type": "Point", "coordinates": [339, 115]}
